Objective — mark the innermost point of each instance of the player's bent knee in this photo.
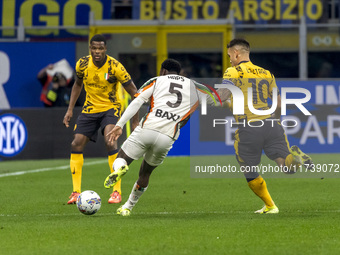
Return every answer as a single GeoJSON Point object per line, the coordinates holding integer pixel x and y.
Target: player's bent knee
{"type": "Point", "coordinates": [79, 141]}
{"type": "Point", "coordinates": [77, 145]}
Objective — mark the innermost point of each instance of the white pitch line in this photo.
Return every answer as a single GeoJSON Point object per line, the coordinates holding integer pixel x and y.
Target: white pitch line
{"type": "Point", "coordinates": [49, 169]}
{"type": "Point", "coordinates": [166, 213]}
{"type": "Point", "coordinates": [114, 213]}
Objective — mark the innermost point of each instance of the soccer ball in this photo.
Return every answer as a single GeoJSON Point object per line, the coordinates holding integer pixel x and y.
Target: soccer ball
{"type": "Point", "coordinates": [89, 202]}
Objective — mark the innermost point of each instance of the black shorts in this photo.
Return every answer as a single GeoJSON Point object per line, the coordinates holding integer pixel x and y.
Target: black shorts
{"type": "Point", "coordinates": [88, 123]}
{"type": "Point", "coordinates": [250, 141]}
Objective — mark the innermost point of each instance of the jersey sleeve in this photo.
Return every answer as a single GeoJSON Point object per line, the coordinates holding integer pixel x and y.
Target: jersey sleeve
{"type": "Point", "coordinates": [230, 74]}
{"type": "Point", "coordinates": [121, 74]}
{"type": "Point", "coordinates": [146, 91]}
{"type": "Point", "coordinates": [201, 95]}
{"type": "Point", "coordinates": [130, 111]}
{"type": "Point", "coordinates": [81, 66]}
{"type": "Point", "coordinates": [203, 91]}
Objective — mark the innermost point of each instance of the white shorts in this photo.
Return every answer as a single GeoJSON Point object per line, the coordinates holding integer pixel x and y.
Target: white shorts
{"type": "Point", "coordinates": [154, 146]}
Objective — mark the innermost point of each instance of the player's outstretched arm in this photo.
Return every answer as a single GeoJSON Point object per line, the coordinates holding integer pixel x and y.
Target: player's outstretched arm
{"type": "Point", "coordinates": [130, 111]}
{"type": "Point", "coordinates": [224, 94]}
{"type": "Point", "coordinates": [76, 90]}
{"type": "Point", "coordinates": [130, 88]}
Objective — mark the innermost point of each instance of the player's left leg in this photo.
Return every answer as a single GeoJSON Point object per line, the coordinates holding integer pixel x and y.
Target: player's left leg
{"type": "Point", "coordinates": [290, 159]}
{"type": "Point", "coordinates": [294, 160]}
{"type": "Point", "coordinates": [138, 189]}
{"type": "Point", "coordinates": [299, 157]}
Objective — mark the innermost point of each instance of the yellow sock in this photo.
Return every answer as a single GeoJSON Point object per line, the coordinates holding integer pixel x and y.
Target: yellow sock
{"type": "Point", "coordinates": [289, 161]}
{"type": "Point", "coordinates": [76, 165]}
{"type": "Point", "coordinates": [259, 187]}
{"type": "Point", "coordinates": [111, 158]}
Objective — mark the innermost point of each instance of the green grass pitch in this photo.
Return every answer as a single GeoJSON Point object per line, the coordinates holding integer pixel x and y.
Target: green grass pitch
{"type": "Point", "coordinates": [177, 214]}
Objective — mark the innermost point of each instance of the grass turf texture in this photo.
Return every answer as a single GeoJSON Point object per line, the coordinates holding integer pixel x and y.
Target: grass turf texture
{"type": "Point", "coordinates": [177, 214]}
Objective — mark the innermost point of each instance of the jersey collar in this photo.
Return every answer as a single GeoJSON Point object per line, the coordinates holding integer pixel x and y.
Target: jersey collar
{"type": "Point", "coordinates": [243, 62]}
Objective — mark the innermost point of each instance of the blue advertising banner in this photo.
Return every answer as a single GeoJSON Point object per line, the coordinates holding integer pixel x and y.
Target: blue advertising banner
{"type": "Point", "coordinates": [51, 13]}
{"type": "Point", "coordinates": [20, 63]}
{"type": "Point", "coordinates": [315, 133]}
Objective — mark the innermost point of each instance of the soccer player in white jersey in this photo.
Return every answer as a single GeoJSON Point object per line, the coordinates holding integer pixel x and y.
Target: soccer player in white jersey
{"type": "Point", "coordinates": [172, 100]}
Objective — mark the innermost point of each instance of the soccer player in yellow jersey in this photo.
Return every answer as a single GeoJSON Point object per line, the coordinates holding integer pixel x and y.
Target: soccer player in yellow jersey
{"type": "Point", "coordinates": [102, 77]}
{"type": "Point", "coordinates": [270, 137]}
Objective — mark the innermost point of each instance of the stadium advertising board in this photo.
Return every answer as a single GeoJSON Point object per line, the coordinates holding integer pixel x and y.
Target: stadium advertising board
{"type": "Point", "coordinates": [36, 133]}
{"type": "Point", "coordinates": [13, 135]}
{"type": "Point", "coordinates": [51, 13]}
{"type": "Point", "coordinates": [258, 11]}
{"type": "Point", "coordinates": [19, 86]}
{"type": "Point", "coordinates": [314, 132]}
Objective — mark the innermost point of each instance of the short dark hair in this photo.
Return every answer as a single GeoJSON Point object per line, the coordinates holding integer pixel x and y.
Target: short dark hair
{"type": "Point", "coordinates": [240, 42]}
{"type": "Point", "coordinates": [98, 38]}
{"type": "Point", "coordinates": [172, 65]}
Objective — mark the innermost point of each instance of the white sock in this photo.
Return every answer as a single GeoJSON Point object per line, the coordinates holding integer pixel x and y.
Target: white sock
{"type": "Point", "coordinates": [118, 163]}
{"type": "Point", "coordinates": [135, 194]}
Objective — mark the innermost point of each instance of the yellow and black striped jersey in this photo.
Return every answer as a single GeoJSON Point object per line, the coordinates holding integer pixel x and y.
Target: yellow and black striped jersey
{"type": "Point", "coordinates": [102, 85]}
{"type": "Point", "coordinates": [246, 75]}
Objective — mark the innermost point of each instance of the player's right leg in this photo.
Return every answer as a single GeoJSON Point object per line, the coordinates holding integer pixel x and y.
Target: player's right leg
{"type": "Point", "coordinates": [259, 186]}
{"type": "Point", "coordinates": [86, 129]}
{"type": "Point", "coordinates": [76, 165]}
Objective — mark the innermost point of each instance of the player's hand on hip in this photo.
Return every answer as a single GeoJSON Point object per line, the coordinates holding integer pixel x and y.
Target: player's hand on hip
{"type": "Point", "coordinates": [114, 134]}
{"type": "Point", "coordinates": [67, 118]}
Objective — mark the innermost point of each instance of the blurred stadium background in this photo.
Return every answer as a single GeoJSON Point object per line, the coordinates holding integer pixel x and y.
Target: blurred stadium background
{"type": "Point", "coordinates": [298, 40]}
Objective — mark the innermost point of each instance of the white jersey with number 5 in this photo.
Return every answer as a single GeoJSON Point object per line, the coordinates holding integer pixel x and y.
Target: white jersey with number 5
{"type": "Point", "coordinates": [173, 98]}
